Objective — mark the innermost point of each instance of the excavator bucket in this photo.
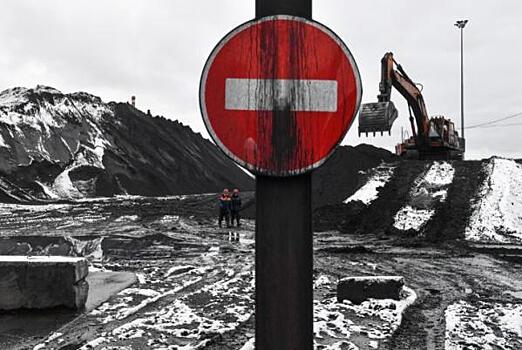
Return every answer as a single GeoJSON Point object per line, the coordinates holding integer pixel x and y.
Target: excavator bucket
{"type": "Point", "coordinates": [377, 117]}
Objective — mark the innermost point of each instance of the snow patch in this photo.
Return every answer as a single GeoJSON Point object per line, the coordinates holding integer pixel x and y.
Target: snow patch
{"type": "Point", "coordinates": [321, 280]}
{"type": "Point", "coordinates": [63, 186]}
{"type": "Point", "coordinates": [249, 345]}
{"type": "Point", "coordinates": [94, 343]}
{"type": "Point", "coordinates": [429, 189]}
{"type": "Point", "coordinates": [176, 270]}
{"type": "Point", "coordinates": [47, 190]}
{"type": "Point", "coordinates": [3, 143]}
{"type": "Point", "coordinates": [369, 192]}
{"type": "Point", "coordinates": [409, 218]}
{"type": "Point", "coordinates": [483, 325]}
{"type": "Point", "coordinates": [440, 174]}
{"type": "Point", "coordinates": [497, 216]}
{"type": "Point", "coordinates": [335, 323]}
{"type": "Point", "coordinates": [126, 218]}
{"type": "Point", "coordinates": [141, 278]}
{"type": "Point", "coordinates": [140, 291]}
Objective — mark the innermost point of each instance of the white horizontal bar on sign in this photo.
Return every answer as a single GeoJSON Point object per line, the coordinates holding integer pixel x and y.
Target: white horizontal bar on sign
{"type": "Point", "coordinates": [281, 94]}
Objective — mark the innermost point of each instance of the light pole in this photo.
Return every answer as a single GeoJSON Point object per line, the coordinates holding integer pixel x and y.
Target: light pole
{"type": "Point", "coordinates": [461, 24]}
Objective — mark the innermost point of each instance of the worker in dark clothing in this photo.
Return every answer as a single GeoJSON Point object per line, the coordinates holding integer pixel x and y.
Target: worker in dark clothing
{"type": "Point", "coordinates": [235, 207]}
{"type": "Point", "coordinates": [224, 207]}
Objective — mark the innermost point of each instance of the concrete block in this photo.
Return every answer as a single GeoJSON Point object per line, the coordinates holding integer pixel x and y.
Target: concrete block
{"type": "Point", "coordinates": [42, 282]}
{"type": "Point", "coordinates": [359, 289]}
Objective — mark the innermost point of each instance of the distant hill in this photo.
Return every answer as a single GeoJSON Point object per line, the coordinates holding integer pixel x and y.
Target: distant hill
{"type": "Point", "coordinates": [66, 146]}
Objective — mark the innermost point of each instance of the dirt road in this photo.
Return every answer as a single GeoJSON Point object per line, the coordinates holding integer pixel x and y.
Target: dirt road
{"type": "Point", "coordinates": [196, 286]}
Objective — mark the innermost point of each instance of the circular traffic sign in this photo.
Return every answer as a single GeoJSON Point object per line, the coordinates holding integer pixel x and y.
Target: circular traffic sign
{"type": "Point", "coordinates": [278, 94]}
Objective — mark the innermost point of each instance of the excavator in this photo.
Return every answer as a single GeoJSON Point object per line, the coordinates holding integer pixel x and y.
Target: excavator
{"type": "Point", "coordinates": [432, 138]}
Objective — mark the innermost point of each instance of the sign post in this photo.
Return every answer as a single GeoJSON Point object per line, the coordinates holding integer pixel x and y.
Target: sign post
{"type": "Point", "coordinates": [284, 241]}
{"type": "Point", "coordinates": [277, 95]}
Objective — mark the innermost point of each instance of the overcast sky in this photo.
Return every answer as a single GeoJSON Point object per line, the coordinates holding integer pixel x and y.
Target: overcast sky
{"type": "Point", "coordinates": [156, 51]}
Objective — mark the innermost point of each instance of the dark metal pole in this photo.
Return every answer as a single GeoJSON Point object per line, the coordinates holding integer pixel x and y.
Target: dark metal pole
{"type": "Point", "coordinates": [300, 8]}
{"type": "Point", "coordinates": [284, 294]}
{"type": "Point", "coordinates": [284, 253]}
{"type": "Point", "coordinates": [462, 80]}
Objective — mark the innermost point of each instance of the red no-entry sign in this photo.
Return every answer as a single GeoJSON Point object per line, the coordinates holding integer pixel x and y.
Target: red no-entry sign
{"type": "Point", "coordinates": [278, 94]}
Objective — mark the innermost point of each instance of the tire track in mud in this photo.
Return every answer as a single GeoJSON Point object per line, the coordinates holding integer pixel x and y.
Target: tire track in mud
{"type": "Point", "coordinates": [439, 276]}
{"type": "Point", "coordinates": [441, 281]}
{"type": "Point", "coordinates": [120, 330]}
{"type": "Point", "coordinates": [423, 324]}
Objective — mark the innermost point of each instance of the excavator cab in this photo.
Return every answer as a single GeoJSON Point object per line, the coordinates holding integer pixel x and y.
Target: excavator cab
{"type": "Point", "coordinates": [377, 117]}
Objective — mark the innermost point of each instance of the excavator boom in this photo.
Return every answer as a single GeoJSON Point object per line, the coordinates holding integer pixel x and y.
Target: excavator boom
{"type": "Point", "coordinates": [435, 137]}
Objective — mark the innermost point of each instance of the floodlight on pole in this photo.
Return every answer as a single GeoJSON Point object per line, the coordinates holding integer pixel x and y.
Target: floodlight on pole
{"type": "Point", "coordinates": [461, 24]}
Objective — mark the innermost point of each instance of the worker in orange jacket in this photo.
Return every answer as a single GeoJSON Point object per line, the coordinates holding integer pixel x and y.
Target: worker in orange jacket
{"type": "Point", "coordinates": [224, 207]}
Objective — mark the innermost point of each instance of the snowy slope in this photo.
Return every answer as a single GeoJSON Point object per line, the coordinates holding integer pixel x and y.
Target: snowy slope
{"type": "Point", "coordinates": [56, 145]}
{"type": "Point", "coordinates": [42, 124]}
{"type": "Point", "coordinates": [498, 214]}
{"type": "Point", "coordinates": [370, 190]}
{"type": "Point", "coordinates": [428, 189]}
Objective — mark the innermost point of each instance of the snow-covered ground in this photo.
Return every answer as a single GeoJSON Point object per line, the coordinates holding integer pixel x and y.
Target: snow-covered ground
{"type": "Point", "coordinates": [195, 286]}
{"type": "Point", "coordinates": [335, 322]}
{"type": "Point", "coordinates": [429, 188]}
{"type": "Point", "coordinates": [180, 306]}
{"type": "Point", "coordinates": [344, 325]}
{"type": "Point", "coordinates": [174, 307]}
{"type": "Point", "coordinates": [483, 325]}
{"type": "Point", "coordinates": [370, 190]}
{"type": "Point", "coordinates": [498, 213]}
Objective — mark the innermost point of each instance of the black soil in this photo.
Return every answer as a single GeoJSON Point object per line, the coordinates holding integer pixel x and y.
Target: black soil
{"type": "Point", "coordinates": [452, 216]}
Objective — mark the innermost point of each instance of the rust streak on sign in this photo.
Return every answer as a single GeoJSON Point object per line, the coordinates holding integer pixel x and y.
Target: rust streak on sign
{"type": "Point", "coordinates": [278, 94]}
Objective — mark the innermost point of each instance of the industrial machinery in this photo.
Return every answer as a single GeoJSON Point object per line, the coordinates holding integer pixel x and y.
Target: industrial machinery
{"type": "Point", "coordinates": [432, 138]}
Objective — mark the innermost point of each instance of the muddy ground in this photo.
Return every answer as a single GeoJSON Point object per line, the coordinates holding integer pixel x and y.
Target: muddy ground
{"type": "Point", "coordinates": [196, 286]}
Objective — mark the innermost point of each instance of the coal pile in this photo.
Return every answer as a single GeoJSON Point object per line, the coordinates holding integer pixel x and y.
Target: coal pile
{"type": "Point", "coordinates": [340, 177]}
{"type": "Point", "coordinates": [426, 202]}
{"type": "Point", "coordinates": [57, 146]}
{"type": "Point", "coordinates": [345, 172]}
{"type": "Point", "coordinates": [183, 161]}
